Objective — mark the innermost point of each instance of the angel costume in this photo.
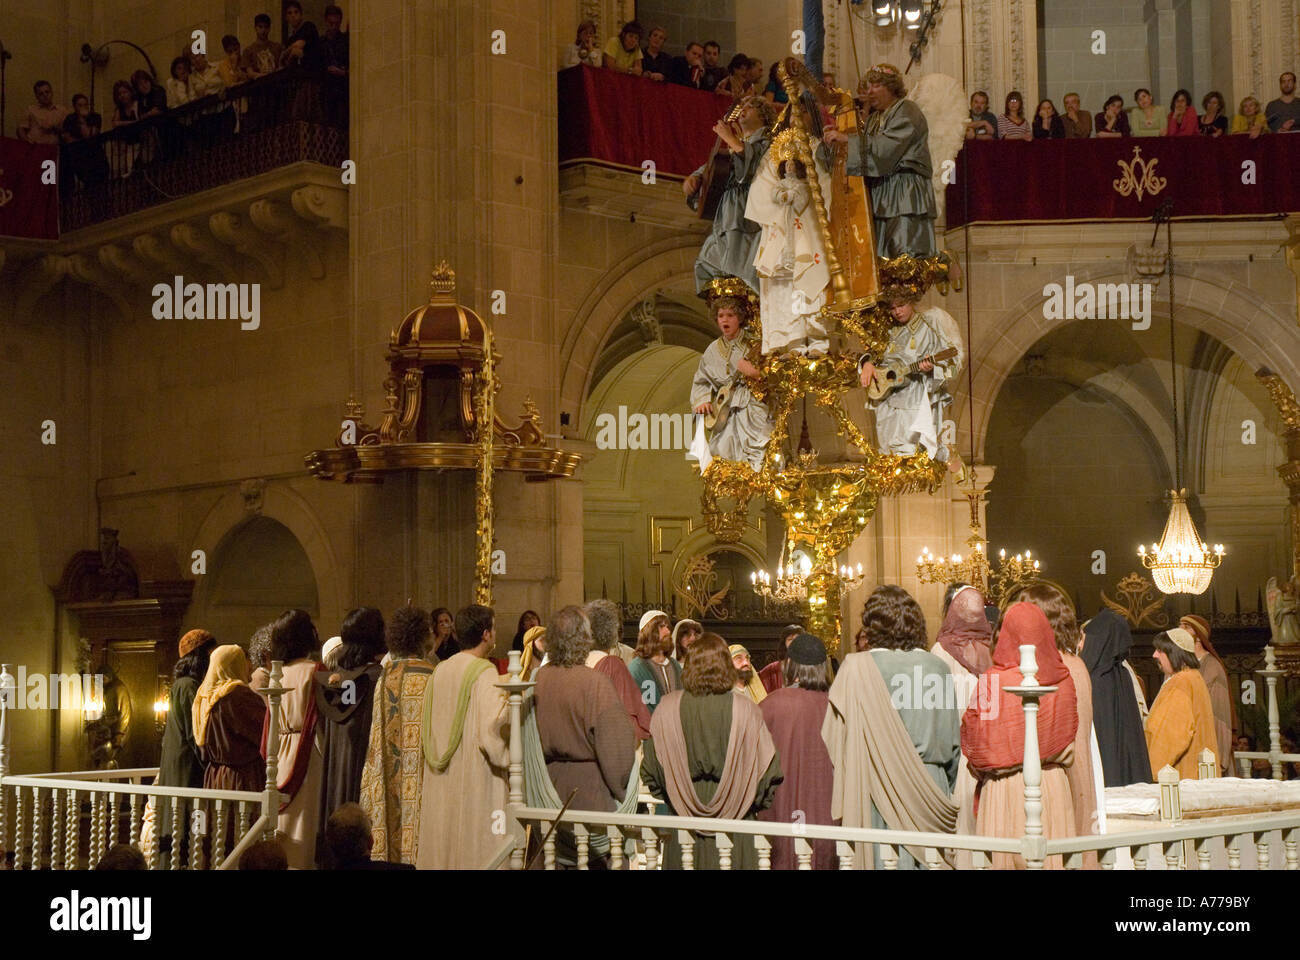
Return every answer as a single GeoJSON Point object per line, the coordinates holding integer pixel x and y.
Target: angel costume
{"type": "Point", "coordinates": [748, 426]}
{"type": "Point", "coordinates": [911, 415]}
{"type": "Point", "coordinates": [791, 259]}
{"type": "Point", "coordinates": [728, 250]}
{"type": "Point", "coordinates": [894, 155]}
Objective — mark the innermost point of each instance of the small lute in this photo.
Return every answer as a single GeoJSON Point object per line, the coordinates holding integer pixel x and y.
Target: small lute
{"type": "Point", "coordinates": [890, 376]}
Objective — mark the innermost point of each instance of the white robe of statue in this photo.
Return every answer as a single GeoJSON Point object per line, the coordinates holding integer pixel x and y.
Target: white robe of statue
{"type": "Point", "coordinates": [791, 260]}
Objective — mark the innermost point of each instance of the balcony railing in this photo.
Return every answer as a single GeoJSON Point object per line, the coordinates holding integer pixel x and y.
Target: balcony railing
{"type": "Point", "coordinates": [288, 117]}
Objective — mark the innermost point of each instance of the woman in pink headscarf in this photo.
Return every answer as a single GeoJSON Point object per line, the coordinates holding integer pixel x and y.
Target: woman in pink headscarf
{"type": "Point", "coordinates": [963, 644]}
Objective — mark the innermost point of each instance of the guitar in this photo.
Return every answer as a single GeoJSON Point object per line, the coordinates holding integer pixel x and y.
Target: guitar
{"type": "Point", "coordinates": [704, 201]}
{"type": "Point", "coordinates": [890, 376]}
{"type": "Point", "coordinates": [721, 403]}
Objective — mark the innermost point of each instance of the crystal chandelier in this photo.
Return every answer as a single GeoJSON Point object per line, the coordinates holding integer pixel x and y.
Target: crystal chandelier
{"type": "Point", "coordinates": [1181, 562]}
{"type": "Point", "coordinates": [790, 583]}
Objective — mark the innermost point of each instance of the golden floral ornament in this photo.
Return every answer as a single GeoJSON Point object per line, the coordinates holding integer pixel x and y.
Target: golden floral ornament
{"type": "Point", "coordinates": [696, 588]}
{"type": "Point", "coordinates": [1136, 603]}
{"type": "Point", "coordinates": [1139, 176]}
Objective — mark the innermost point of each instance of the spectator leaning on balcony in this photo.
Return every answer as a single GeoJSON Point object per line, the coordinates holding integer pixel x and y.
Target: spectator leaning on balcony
{"type": "Point", "coordinates": [714, 74]}
{"type": "Point", "coordinates": [180, 85]}
{"type": "Point", "coordinates": [736, 84]}
{"type": "Point", "coordinates": [44, 119]}
{"type": "Point", "coordinates": [1144, 120]}
{"type": "Point", "coordinates": [205, 76]}
{"type": "Point", "coordinates": [584, 49]}
{"type": "Point", "coordinates": [623, 53]}
{"type": "Point", "coordinates": [149, 97]}
{"type": "Point", "coordinates": [334, 43]}
{"type": "Point", "coordinates": [1076, 120]}
{"type": "Point", "coordinates": [303, 48]}
{"type": "Point", "coordinates": [232, 73]}
{"type": "Point", "coordinates": [982, 125]}
{"type": "Point", "coordinates": [1047, 122]}
{"type": "Point", "coordinates": [774, 92]}
{"type": "Point", "coordinates": [263, 54]}
{"type": "Point", "coordinates": [656, 64]}
{"type": "Point", "coordinates": [1012, 125]}
{"type": "Point", "coordinates": [1250, 119]}
{"type": "Point", "coordinates": [688, 70]}
{"type": "Point", "coordinates": [1213, 123]}
{"type": "Point", "coordinates": [1284, 113]}
{"type": "Point", "coordinates": [1113, 121]}
{"type": "Point", "coordinates": [83, 158]}
{"type": "Point", "coordinates": [1182, 120]}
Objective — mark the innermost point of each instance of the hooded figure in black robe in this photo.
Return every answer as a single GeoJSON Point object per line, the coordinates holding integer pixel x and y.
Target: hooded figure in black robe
{"type": "Point", "coordinates": [1115, 715]}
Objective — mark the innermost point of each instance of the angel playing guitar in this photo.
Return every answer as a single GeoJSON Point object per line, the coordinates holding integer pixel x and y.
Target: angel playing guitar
{"type": "Point", "coordinates": [738, 424]}
{"type": "Point", "coordinates": [907, 387]}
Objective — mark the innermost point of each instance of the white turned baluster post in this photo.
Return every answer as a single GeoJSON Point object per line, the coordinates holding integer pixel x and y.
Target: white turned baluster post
{"type": "Point", "coordinates": [271, 797]}
{"type": "Point", "coordinates": [1270, 673]}
{"type": "Point", "coordinates": [515, 686]}
{"type": "Point", "coordinates": [72, 832]}
{"type": "Point", "coordinates": [651, 840]}
{"type": "Point", "coordinates": [1171, 811]}
{"type": "Point", "coordinates": [1033, 844]}
{"type": "Point", "coordinates": [135, 816]}
{"type": "Point", "coordinates": [96, 853]}
{"type": "Point", "coordinates": [1207, 768]}
{"type": "Point", "coordinates": [1289, 843]}
{"type": "Point", "coordinates": [219, 836]}
{"type": "Point", "coordinates": [615, 847]}
{"type": "Point", "coordinates": [764, 848]}
{"type": "Point", "coordinates": [1261, 851]}
{"type": "Point", "coordinates": [686, 840]}
{"type": "Point", "coordinates": [548, 846]}
{"type": "Point", "coordinates": [112, 819]}
{"type": "Point", "coordinates": [844, 851]}
{"type": "Point", "coordinates": [582, 840]}
{"type": "Point", "coordinates": [725, 844]}
{"type": "Point", "coordinates": [8, 688]}
{"type": "Point", "coordinates": [56, 829]}
{"type": "Point", "coordinates": [803, 852]}
{"type": "Point", "coordinates": [178, 826]}
{"type": "Point", "coordinates": [38, 827]}
{"type": "Point", "coordinates": [1234, 851]}
{"type": "Point", "coordinates": [20, 812]}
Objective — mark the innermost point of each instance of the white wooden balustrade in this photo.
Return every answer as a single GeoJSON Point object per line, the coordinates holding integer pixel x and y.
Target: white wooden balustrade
{"type": "Point", "coordinates": [52, 809]}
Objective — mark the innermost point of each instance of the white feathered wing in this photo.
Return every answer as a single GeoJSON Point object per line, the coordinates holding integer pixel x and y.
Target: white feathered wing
{"type": "Point", "coordinates": [943, 101]}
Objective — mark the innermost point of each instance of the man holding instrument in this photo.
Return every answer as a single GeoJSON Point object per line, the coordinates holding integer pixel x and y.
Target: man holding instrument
{"type": "Point", "coordinates": [728, 250]}
{"type": "Point", "coordinates": [910, 382]}
{"type": "Point", "coordinates": [735, 425]}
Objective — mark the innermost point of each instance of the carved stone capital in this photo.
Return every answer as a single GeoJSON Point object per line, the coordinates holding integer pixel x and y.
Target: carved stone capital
{"type": "Point", "coordinates": [252, 491]}
{"type": "Point", "coordinates": [199, 244]}
{"type": "Point", "coordinates": [238, 233]}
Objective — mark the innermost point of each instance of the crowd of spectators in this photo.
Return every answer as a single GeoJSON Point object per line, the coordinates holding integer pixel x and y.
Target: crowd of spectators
{"type": "Point", "coordinates": [698, 66]}
{"type": "Point", "coordinates": [1145, 119]}
{"type": "Point", "coordinates": [192, 77]}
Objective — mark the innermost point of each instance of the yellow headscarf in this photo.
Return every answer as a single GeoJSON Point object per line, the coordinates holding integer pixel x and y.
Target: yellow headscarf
{"type": "Point", "coordinates": [754, 688]}
{"type": "Point", "coordinates": [526, 665]}
{"type": "Point", "coordinates": [227, 669]}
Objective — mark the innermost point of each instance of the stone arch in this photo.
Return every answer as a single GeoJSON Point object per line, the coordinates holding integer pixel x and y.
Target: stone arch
{"type": "Point", "coordinates": [623, 285]}
{"type": "Point", "coordinates": [1206, 300]}
{"type": "Point", "coordinates": [293, 512]}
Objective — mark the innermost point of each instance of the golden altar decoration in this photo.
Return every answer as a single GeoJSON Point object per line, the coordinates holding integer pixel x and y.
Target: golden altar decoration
{"type": "Point", "coordinates": [826, 506]}
{"type": "Point", "coordinates": [440, 414]}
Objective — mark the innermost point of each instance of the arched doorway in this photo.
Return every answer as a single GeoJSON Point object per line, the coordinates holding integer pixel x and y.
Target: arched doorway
{"type": "Point", "coordinates": [258, 570]}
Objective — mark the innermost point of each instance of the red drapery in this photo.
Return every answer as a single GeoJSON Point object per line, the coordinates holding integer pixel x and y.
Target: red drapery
{"type": "Point", "coordinates": [618, 120]}
{"type": "Point", "coordinates": [1077, 179]}
{"type": "Point", "coordinates": [28, 208]}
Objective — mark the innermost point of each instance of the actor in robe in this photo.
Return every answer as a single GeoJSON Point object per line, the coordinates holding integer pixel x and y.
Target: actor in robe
{"type": "Point", "coordinates": [606, 622]}
{"type": "Point", "coordinates": [180, 764]}
{"type": "Point", "coordinates": [465, 736]}
{"type": "Point", "coordinates": [793, 279]}
{"type": "Point", "coordinates": [1115, 715]}
{"type": "Point", "coordinates": [695, 763]}
{"type": "Point", "coordinates": [393, 775]}
{"type": "Point", "coordinates": [747, 681]}
{"type": "Point", "coordinates": [963, 646]}
{"type": "Point", "coordinates": [345, 709]}
{"type": "Point", "coordinates": [655, 672]}
{"type": "Point", "coordinates": [302, 762]}
{"type": "Point", "coordinates": [1215, 675]}
{"type": "Point", "coordinates": [920, 688]}
{"type": "Point", "coordinates": [228, 719]}
{"type": "Point", "coordinates": [1087, 787]}
{"type": "Point", "coordinates": [909, 418]}
{"type": "Point", "coordinates": [893, 153]}
{"type": "Point", "coordinates": [993, 737]}
{"type": "Point", "coordinates": [723, 367]}
{"type": "Point", "coordinates": [794, 715]}
{"type": "Point", "coordinates": [773, 675]}
{"type": "Point", "coordinates": [259, 658]}
{"type": "Point", "coordinates": [1181, 723]}
{"type": "Point", "coordinates": [685, 632]}
{"type": "Point", "coordinates": [587, 739]}
{"type": "Point", "coordinates": [534, 652]}
{"type": "Point", "coordinates": [728, 250]}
